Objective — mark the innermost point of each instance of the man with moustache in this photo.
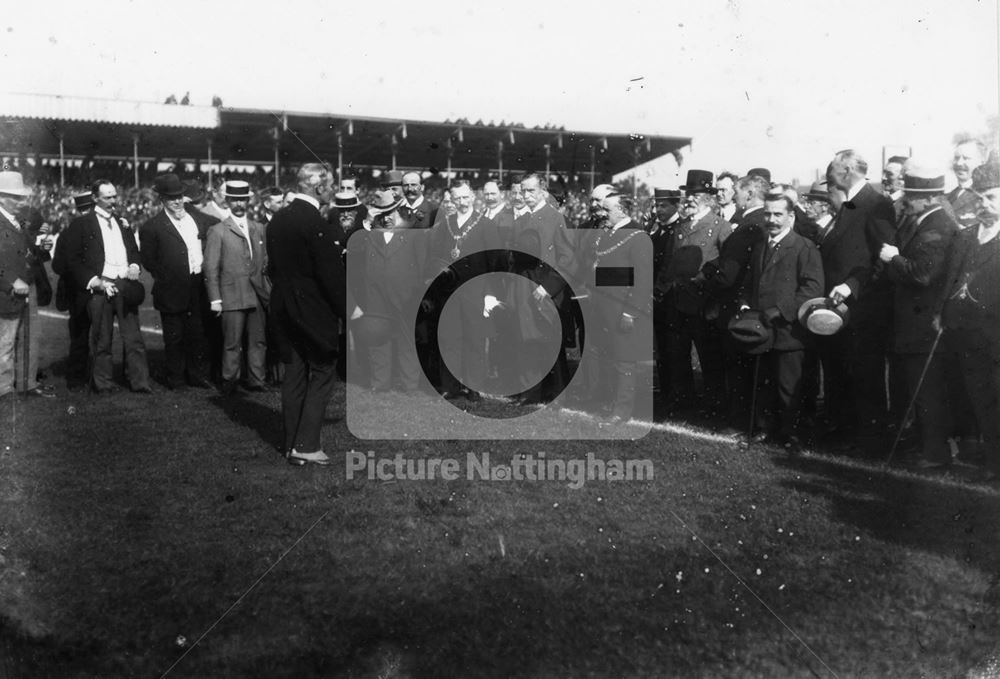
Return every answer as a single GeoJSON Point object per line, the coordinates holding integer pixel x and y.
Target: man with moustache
{"type": "Point", "coordinates": [969, 154]}
{"type": "Point", "coordinates": [415, 210]}
{"type": "Point", "coordinates": [235, 261]}
{"type": "Point", "coordinates": [15, 289]}
{"type": "Point", "coordinates": [171, 244]}
{"type": "Point", "coordinates": [598, 216]}
{"type": "Point", "coordinates": [725, 183]}
{"type": "Point", "coordinates": [517, 199]}
{"type": "Point", "coordinates": [498, 211]}
{"type": "Point", "coordinates": [892, 183]}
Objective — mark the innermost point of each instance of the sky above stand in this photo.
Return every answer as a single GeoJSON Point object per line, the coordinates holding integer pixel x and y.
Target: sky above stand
{"type": "Point", "coordinates": [775, 83]}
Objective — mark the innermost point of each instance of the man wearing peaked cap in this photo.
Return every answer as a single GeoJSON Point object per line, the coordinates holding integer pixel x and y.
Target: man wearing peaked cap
{"type": "Point", "coordinates": [697, 239]}
{"type": "Point", "coordinates": [916, 267]}
{"type": "Point", "coordinates": [969, 311]}
{"type": "Point", "coordinates": [238, 292]}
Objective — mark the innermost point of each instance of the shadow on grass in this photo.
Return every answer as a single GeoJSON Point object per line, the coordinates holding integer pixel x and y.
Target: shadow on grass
{"type": "Point", "coordinates": [263, 419]}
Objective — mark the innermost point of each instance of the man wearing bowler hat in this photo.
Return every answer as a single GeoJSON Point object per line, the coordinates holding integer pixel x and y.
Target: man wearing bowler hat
{"type": "Point", "coordinates": [101, 258]}
{"type": "Point", "coordinates": [392, 180]}
{"type": "Point", "coordinates": [785, 272]}
{"type": "Point", "coordinates": [916, 267]}
{"type": "Point", "coordinates": [173, 252]}
{"type": "Point", "coordinates": [697, 239]}
{"type": "Point", "coordinates": [235, 260]}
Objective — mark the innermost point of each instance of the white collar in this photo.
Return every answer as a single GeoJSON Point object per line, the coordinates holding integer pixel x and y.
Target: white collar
{"type": "Point", "coordinates": [309, 199]}
{"type": "Point", "coordinates": [856, 189]}
{"type": "Point", "coordinates": [824, 220]}
{"type": "Point", "coordinates": [102, 213]}
{"type": "Point", "coordinates": [925, 213]}
{"type": "Point", "coordinates": [620, 224]}
{"type": "Point", "coordinates": [896, 195]}
{"type": "Point", "coordinates": [752, 209]}
{"type": "Point", "coordinates": [780, 237]}
{"type": "Point", "coordinates": [541, 204]}
{"type": "Point", "coordinates": [10, 218]}
{"type": "Point", "coordinates": [415, 204]}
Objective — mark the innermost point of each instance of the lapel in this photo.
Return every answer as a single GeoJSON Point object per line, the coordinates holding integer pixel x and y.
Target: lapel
{"type": "Point", "coordinates": [169, 227]}
{"type": "Point", "coordinates": [236, 231]}
{"type": "Point", "coordinates": [909, 230]}
{"type": "Point", "coordinates": [779, 250]}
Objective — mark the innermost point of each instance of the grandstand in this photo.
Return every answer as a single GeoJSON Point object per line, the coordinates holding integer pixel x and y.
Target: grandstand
{"type": "Point", "coordinates": [70, 131]}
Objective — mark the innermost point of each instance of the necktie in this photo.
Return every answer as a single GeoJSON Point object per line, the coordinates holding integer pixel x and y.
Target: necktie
{"type": "Point", "coordinates": [771, 247]}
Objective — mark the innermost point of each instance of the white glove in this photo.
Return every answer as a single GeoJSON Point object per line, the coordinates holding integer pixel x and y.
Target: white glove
{"type": "Point", "coordinates": [888, 252]}
{"type": "Point", "coordinates": [217, 307]}
{"type": "Point", "coordinates": [840, 293]}
{"type": "Point", "coordinates": [133, 272]}
{"type": "Point", "coordinates": [357, 313]}
{"type": "Point", "coordinates": [540, 293]}
{"type": "Point", "coordinates": [489, 304]}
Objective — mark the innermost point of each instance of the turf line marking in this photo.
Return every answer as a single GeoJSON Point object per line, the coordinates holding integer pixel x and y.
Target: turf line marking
{"type": "Point", "coordinates": [683, 430]}
{"type": "Point", "coordinates": [247, 592]}
{"type": "Point", "coordinates": [57, 314]}
{"type": "Point", "coordinates": [753, 593]}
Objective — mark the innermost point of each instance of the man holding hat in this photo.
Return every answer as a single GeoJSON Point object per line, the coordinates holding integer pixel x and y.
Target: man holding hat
{"type": "Point", "coordinates": [172, 250]}
{"type": "Point", "coordinates": [916, 268]}
{"type": "Point", "coordinates": [969, 311]}
{"type": "Point", "coordinates": [697, 239]}
{"type": "Point", "coordinates": [235, 260]}
{"type": "Point", "coordinates": [101, 258]}
{"type": "Point", "coordinates": [76, 304]}
{"type": "Point", "coordinates": [14, 287]}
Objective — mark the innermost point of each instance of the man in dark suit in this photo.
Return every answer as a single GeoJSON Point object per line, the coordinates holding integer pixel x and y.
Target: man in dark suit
{"type": "Point", "coordinates": [498, 211]}
{"type": "Point", "coordinates": [969, 312]}
{"type": "Point", "coordinates": [172, 250]}
{"type": "Point", "coordinates": [307, 300]}
{"type": "Point", "coordinates": [785, 272]}
{"type": "Point", "coordinates": [102, 258]}
{"type": "Point", "coordinates": [235, 260]}
{"type": "Point", "coordinates": [68, 300]}
{"type": "Point", "coordinates": [969, 154]}
{"type": "Point", "coordinates": [916, 266]}
{"type": "Point", "coordinates": [15, 286]}
{"type": "Point", "coordinates": [416, 212]}
{"type": "Point", "coordinates": [892, 183]}
{"type": "Point", "coordinates": [854, 362]}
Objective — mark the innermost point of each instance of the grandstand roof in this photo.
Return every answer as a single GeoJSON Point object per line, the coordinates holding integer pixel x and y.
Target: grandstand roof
{"type": "Point", "coordinates": [106, 128]}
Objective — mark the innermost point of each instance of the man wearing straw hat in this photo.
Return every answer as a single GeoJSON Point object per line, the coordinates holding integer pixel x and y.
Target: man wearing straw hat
{"type": "Point", "coordinates": [916, 268]}
{"type": "Point", "coordinates": [14, 288]}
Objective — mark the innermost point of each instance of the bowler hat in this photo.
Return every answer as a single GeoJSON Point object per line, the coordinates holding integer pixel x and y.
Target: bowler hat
{"type": "Point", "coordinates": [818, 191]}
{"type": "Point", "coordinates": [346, 200]}
{"type": "Point", "coordinates": [392, 178]}
{"type": "Point", "coordinates": [236, 188]}
{"type": "Point", "coordinates": [12, 184]}
{"type": "Point", "coordinates": [761, 172]}
{"type": "Point", "coordinates": [821, 316]}
{"type": "Point", "coordinates": [986, 177]}
{"type": "Point", "coordinates": [385, 201]}
{"type": "Point", "coordinates": [133, 292]}
{"type": "Point", "coordinates": [83, 201]}
{"type": "Point", "coordinates": [667, 194]}
{"type": "Point", "coordinates": [168, 185]}
{"type": "Point", "coordinates": [700, 181]}
{"type": "Point", "coordinates": [919, 179]}
{"type": "Point", "coordinates": [752, 336]}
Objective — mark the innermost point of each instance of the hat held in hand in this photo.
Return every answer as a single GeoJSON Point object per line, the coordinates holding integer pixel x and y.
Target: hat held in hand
{"type": "Point", "coordinates": [821, 316]}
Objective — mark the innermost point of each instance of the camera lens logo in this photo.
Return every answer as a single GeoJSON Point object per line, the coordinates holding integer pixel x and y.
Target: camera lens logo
{"type": "Point", "coordinates": [449, 342]}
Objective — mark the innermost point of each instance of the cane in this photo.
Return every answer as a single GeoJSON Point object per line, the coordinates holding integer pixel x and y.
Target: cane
{"type": "Point", "coordinates": [26, 339]}
{"type": "Point", "coordinates": [753, 400]}
{"type": "Point", "coordinates": [913, 399]}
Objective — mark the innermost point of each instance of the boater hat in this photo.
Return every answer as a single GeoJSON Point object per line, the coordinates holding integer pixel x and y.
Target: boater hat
{"type": "Point", "coordinates": [922, 180]}
{"type": "Point", "coordinates": [821, 316]}
{"type": "Point", "coordinates": [346, 200]}
{"type": "Point", "coordinates": [602, 191]}
{"type": "Point", "coordinates": [236, 189]}
{"type": "Point", "coordinates": [385, 201]}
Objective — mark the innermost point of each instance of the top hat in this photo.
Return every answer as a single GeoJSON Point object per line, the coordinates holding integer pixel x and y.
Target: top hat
{"type": "Point", "coordinates": [699, 181]}
{"type": "Point", "coordinates": [168, 185]}
{"type": "Point", "coordinates": [919, 179]}
{"type": "Point", "coordinates": [751, 335]}
{"type": "Point", "coordinates": [346, 200]}
{"type": "Point", "coordinates": [236, 188]}
{"type": "Point", "coordinates": [667, 194]}
{"type": "Point", "coordinates": [822, 317]}
{"type": "Point", "coordinates": [602, 191]}
{"type": "Point", "coordinates": [83, 201]}
{"type": "Point", "coordinates": [986, 177]}
{"type": "Point", "coordinates": [385, 201]}
{"type": "Point", "coordinates": [818, 191]}
{"type": "Point", "coordinates": [392, 178]}
{"type": "Point", "coordinates": [761, 172]}
{"type": "Point", "coordinates": [12, 184]}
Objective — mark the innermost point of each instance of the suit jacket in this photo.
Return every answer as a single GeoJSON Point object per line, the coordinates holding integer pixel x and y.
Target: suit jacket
{"type": "Point", "coordinates": [165, 255]}
{"type": "Point", "coordinates": [851, 246]}
{"type": "Point", "coordinates": [388, 279]}
{"type": "Point", "coordinates": [505, 225]}
{"type": "Point", "coordinates": [422, 217]}
{"type": "Point", "coordinates": [970, 295]}
{"type": "Point", "coordinates": [555, 245]}
{"type": "Point", "coordinates": [918, 277]}
{"type": "Point", "coordinates": [724, 275]}
{"type": "Point", "coordinates": [694, 244]}
{"type": "Point", "coordinates": [308, 282]}
{"type": "Point", "coordinates": [965, 205]}
{"type": "Point", "coordinates": [792, 276]}
{"type": "Point", "coordinates": [13, 265]}
{"type": "Point", "coordinates": [81, 251]}
{"type": "Point", "coordinates": [234, 269]}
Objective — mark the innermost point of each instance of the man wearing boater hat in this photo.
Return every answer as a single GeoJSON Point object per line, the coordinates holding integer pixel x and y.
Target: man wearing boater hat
{"type": "Point", "coordinates": [916, 267]}
{"type": "Point", "coordinates": [969, 311]}
{"type": "Point", "coordinates": [235, 260]}
{"type": "Point", "coordinates": [697, 239]}
{"type": "Point", "coordinates": [172, 250]}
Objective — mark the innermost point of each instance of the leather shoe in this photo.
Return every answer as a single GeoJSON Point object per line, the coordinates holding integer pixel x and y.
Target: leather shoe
{"type": "Point", "coordinates": [298, 459]}
{"type": "Point", "coordinates": [40, 392]}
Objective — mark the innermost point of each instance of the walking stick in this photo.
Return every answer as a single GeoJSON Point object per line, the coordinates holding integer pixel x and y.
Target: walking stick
{"type": "Point", "coordinates": [913, 399]}
{"type": "Point", "coordinates": [753, 400]}
{"type": "Point", "coordinates": [26, 339]}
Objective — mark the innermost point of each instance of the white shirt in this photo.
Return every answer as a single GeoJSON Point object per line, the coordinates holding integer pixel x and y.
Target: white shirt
{"type": "Point", "coordinates": [415, 204]}
{"type": "Point", "coordinates": [11, 218]}
{"type": "Point", "coordinates": [115, 254]}
{"type": "Point", "coordinates": [518, 211]}
{"type": "Point", "coordinates": [463, 219]}
{"type": "Point", "coordinates": [728, 211]}
{"type": "Point", "coordinates": [188, 230]}
{"type": "Point", "coordinates": [773, 241]}
{"type": "Point", "coordinates": [245, 230]}
{"type": "Point", "coordinates": [824, 222]}
{"type": "Point", "coordinates": [856, 189]}
{"type": "Point", "coordinates": [494, 211]}
{"type": "Point", "coordinates": [620, 224]}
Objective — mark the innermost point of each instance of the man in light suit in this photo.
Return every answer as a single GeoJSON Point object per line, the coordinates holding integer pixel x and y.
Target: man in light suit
{"type": "Point", "coordinates": [172, 250]}
{"type": "Point", "coordinates": [307, 300]}
{"type": "Point", "coordinates": [235, 259]}
{"type": "Point", "coordinates": [101, 258]}
{"type": "Point", "coordinates": [785, 272]}
{"type": "Point", "coordinates": [14, 284]}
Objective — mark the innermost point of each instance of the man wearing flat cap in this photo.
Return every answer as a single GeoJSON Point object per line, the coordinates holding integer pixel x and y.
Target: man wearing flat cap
{"type": "Point", "coordinates": [172, 248]}
{"type": "Point", "coordinates": [238, 292]}
{"type": "Point", "coordinates": [969, 312]}
{"type": "Point", "coordinates": [697, 239]}
{"type": "Point", "coordinates": [916, 267]}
